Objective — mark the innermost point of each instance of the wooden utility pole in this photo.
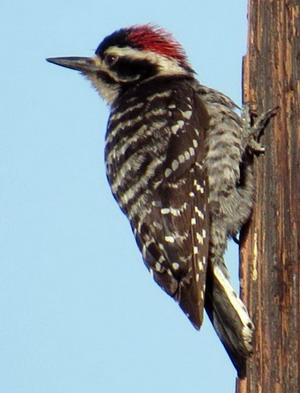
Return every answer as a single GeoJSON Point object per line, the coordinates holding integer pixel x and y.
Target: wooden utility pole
{"type": "Point", "coordinates": [270, 251]}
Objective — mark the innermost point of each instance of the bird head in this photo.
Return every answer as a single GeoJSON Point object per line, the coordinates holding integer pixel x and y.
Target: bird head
{"type": "Point", "coordinates": [128, 57]}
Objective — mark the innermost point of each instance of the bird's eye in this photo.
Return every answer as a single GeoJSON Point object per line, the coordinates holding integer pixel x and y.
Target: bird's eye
{"type": "Point", "coordinates": [110, 59]}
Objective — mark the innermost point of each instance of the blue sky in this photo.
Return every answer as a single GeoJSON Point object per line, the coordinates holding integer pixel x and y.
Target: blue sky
{"type": "Point", "coordinates": [79, 311]}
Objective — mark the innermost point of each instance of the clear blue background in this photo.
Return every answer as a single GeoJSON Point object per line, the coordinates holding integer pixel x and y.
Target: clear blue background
{"type": "Point", "coordinates": [78, 309]}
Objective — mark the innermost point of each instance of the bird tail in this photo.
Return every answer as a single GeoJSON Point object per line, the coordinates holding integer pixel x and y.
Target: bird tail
{"type": "Point", "coordinates": [229, 317]}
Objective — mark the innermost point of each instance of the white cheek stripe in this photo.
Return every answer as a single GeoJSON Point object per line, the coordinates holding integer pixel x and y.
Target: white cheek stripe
{"type": "Point", "coordinates": [166, 65]}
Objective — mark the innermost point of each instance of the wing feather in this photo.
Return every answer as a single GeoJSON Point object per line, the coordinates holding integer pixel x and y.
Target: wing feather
{"type": "Point", "coordinates": [174, 237]}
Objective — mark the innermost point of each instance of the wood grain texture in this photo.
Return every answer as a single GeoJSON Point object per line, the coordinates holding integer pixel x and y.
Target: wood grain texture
{"type": "Point", "coordinates": [270, 249]}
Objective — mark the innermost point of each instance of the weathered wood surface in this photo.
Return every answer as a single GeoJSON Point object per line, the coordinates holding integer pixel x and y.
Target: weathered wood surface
{"type": "Point", "coordinates": [270, 252]}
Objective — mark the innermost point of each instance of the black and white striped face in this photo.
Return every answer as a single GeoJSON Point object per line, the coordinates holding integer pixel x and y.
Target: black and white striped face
{"type": "Point", "coordinates": [129, 57]}
{"type": "Point", "coordinates": [119, 68]}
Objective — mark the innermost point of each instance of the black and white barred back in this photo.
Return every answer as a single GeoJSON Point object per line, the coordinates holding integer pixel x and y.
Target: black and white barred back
{"type": "Point", "coordinates": [155, 150]}
{"type": "Point", "coordinates": [179, 162]}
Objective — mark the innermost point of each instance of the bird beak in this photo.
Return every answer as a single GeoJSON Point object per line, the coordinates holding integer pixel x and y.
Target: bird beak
{"type": "Point", "coordinates": [83, 64]}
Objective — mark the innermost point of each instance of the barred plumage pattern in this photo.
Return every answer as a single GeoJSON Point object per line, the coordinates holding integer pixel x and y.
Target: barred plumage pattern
{"type": "Point", "coordinates": [186, 185]}
{"type": "Point", "coordinates": [154, 158]}
{"type": "Point", "coordinates": [229, 167]}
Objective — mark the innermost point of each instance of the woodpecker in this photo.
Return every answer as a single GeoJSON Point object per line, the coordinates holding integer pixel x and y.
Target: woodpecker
{"type": "Point", "coordinates": [179, 161]}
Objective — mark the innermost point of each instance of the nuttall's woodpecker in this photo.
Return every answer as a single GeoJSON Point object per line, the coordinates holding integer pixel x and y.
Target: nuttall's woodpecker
{"type": "Point", "coordinates": [179, 161]}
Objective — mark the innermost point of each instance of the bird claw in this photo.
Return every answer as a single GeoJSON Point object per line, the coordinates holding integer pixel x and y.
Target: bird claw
{"type": "Point", "coordinates": [255, 126]}
{"type": "Point", "coordinates": [256, 147]}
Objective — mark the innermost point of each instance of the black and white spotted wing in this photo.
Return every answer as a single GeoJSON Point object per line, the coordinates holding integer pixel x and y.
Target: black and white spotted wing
{"type": "Point", "coordinates": [154, 165]}
{"type": "Point", "coordinates": [178, 221]}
